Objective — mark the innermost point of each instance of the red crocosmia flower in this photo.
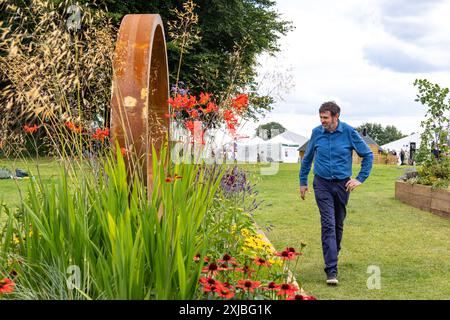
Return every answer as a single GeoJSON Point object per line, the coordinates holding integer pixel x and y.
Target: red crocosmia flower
{"type": "Point", "coordinates": [191, 102]}
{"type": "Point", "coordinates": [212, 268]}
{"type": "Point", "coordinates": [169, 179]}
{"type": "Point", "coordinates": [100, 134]}
{"type": "Point", "coordinates": [225, 293]}
{"type": "Point", "coordinates": [123, 151]}
{"type": "Point", "coordinates": [6, 286]}
{"type": "Point", "coordinates": [73, 127]}
{"type": "Point", "coordinates": [211, 107]}
{"type": "Point", "coordinates": [204, 98]}
{"type": "Point", "coordinates": [248, 285]}
{"type": "Point", "coordinates": [179, 101]}
{"type": "Point", "coordinates": [240, 102]}
{"type": "Point", "coordinates": [194, 113]}
{"type": "Point", "coordinates": [177, 177]}
{"type": "Point", "coordinates": [262, 262]}
{"type": "Point", "coordinates": [31, 129]}
{"type": "Point", "coordinates": [287, 289]}
{"type": "Point", "coordinates": [189, 125]}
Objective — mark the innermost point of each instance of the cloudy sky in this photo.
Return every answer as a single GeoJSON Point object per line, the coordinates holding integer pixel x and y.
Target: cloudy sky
{"type": "Point", "coordinates": [363, 54]}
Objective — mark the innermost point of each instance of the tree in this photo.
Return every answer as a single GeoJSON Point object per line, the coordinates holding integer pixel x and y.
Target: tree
{"type": "Point", "coordinates": [437, 122]}
{"type": "Point", "coordinates": [380, 134]}
{"type": "Point", "coordinates": [233, 33]}
{"type": "Point", "coordinates": [269, 130]}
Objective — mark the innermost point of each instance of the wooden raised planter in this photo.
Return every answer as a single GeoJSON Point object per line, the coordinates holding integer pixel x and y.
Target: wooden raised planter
{"type": "Point", "coordinates": [424, 197]}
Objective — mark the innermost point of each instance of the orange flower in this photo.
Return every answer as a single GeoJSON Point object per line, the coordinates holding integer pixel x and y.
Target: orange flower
{"type": "Point", "coordinates": [204, 98]}
{"type": "Point", "coordinates": [212, 269]}
{"type": "Point", "coordinates": [286, 255]}
{"type": "Point", "coordinates": [301, 297]}
{"type": "Point", "coordinates": [169, 179]}
{"type": "Point", "coordinates": [240, 102]}
{"type": "Point", "coordinates": [190, 126]}
{"type": "Point", "coordinates": [6, 286]}
{"type": "Point", "coordinates": [73, 127]}
{"type": "Point", "coordinates": [194, 113]}
{"type": "Point", "coordinates": [225, 293]}
{"type": "Point", "coordinates": [287, 289]}
{"type": "Point", "coordinates": [248, 285]}
{"type": "Point", "coordinates": [32, 129]}
{"type": "Point", "coordinates": [100, 134]}
{"type": "Point", "coordinates": [262, 262]}
{"type": "Point", "coordinates": [123, 151]}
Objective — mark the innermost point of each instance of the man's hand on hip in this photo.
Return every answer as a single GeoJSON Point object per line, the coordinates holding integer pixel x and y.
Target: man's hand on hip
{"type": "Point", "coordinates": [303, 190]}
{"type": "Point", "coordinates": [351, 184]}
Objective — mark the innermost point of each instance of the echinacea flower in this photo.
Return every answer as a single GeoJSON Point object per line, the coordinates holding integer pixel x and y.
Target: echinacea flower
{"type": "Point", "coordinates": [197, 257]}
{"type": "Point", "coordinates": [225, 293]}
{"type": "Point", "coordinates": [292, 250]}
{"type": "Point", "coordinates": [285, 255]}
{"type": "Point", "coordinates": [287, 289]}
{"type": "Point", "coordinates": [6, 286]}
{"type": "Point", "coordinates": [261, 262]}
{"type": "Point", "coordinates": [301, 297]}
{"type": "Point", "coordinates": [212, 268]}
{"type": "Point", "coordinates": [227, 259]}
{"type": "Point", "coordinates": [245, 270]}
{"type": "Point", "coordinates": [248, 285]}
{"type": "Point", "coordinates": [272, 286]}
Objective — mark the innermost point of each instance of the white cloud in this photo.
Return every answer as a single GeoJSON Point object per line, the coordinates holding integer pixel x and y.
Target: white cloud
{"type": "Point", "coordinates": [365, 55]}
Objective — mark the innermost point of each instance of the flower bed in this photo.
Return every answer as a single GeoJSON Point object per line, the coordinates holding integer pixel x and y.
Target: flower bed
{"type": "Point", "coordinates": [424, 197]}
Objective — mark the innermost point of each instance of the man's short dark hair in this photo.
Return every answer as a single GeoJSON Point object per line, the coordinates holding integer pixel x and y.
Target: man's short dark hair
{"type": "Point", "coordinates": [330, 106]}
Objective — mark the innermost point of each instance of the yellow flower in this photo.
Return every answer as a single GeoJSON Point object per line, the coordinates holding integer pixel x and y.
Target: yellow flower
{"type": "Point", "coordinates": [16, 239]}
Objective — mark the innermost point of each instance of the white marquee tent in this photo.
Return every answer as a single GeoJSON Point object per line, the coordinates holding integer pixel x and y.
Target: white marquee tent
{"type": "Point", "coordinates": [247, 150]}
{"type": "Point", "coordinates": [403, 143]}
{"type": "Point", "coordinates": [282, 148]}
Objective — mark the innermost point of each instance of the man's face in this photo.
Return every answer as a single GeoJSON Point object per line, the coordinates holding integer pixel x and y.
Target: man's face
{"type": "Point", "coordinates": [329, 122]}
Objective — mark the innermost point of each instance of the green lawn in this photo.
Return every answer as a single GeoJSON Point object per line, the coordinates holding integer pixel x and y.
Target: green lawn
{"type": "Point", "coordinates": [411, 247]}
{"type": "Point", "coordinates": [9, 189]}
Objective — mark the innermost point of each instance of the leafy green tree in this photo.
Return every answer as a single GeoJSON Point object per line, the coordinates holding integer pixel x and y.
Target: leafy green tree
{"type": "Point", "coordinates": [233, 33]}
{"type": "Point", "coordinates": [269, 130]}
{"type": "Point", "coordinates": [380, 134]}
{"type": "Point", "coordinates": [437, 121]}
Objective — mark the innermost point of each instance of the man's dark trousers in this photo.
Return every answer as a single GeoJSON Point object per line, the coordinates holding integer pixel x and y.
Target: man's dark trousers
{"type": "Point", "coordinates": [331, 198]}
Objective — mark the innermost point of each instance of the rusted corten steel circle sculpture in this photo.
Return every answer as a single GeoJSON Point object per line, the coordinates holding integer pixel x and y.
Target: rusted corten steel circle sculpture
{"type": "Point", "coordinates": [140, 90]}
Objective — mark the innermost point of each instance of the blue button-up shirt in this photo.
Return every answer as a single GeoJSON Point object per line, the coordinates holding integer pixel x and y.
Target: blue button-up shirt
{"type": "Point", "coordinates": [332, 152]}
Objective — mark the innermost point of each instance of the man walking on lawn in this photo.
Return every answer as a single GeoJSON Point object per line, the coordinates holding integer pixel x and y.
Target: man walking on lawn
{"type": "Point", "coordinates": [331, 147]}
